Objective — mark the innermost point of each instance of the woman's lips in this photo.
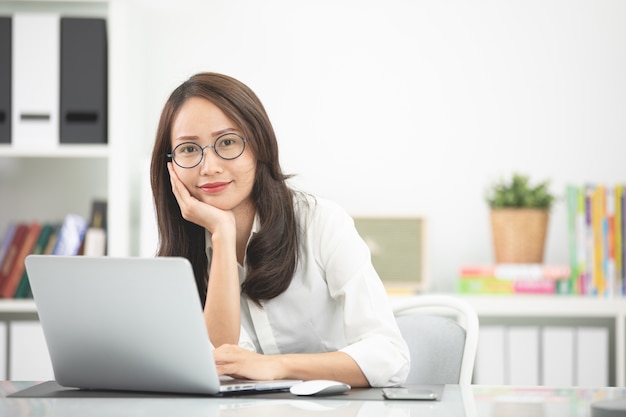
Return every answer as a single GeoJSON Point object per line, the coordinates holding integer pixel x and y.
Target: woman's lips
{"type": "Point", "coordinates": [214, 187]}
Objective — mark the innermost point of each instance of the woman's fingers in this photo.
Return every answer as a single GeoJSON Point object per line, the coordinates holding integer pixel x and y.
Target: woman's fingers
{"type": "Point", "coordinates": [238, 362]}
{"type": "Point", "coordinates": [185, 200]}
{"type": "Point", "coordinates": [180, 191]}
{"type": "Point", "coordinates": [196, 211]}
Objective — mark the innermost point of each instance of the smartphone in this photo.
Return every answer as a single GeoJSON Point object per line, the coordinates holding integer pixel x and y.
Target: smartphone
{"type": "Point", "coordinates": [409, 394]}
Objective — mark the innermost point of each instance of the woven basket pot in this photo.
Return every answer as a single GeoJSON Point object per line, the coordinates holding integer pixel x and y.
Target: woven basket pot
{"type": "Point", "coordinates": [519, 234]}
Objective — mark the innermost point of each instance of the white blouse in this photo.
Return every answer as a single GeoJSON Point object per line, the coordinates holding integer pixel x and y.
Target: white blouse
{"type": "Point", "coordinates": [335, 302]}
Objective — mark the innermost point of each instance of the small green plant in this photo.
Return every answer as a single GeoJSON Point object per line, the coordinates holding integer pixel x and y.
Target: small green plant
{"type": "Point", "coordinates": [519, 193]}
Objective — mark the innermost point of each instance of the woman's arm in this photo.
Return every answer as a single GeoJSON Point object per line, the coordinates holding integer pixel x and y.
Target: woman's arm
{"type": "Point", "coordinates": [373, 339]}
{"type": "Point", "coordinates": [221, 311]}
{"type": "Point", "coordinates": [337, 366]}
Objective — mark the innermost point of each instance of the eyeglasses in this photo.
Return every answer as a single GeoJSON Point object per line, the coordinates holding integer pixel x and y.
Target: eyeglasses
{"type": "Point", "coordinates": [189, 154]}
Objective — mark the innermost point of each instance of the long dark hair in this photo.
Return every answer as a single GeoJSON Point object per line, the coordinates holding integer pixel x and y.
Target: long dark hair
{"type": "Point", "coordinates": [272, 253]}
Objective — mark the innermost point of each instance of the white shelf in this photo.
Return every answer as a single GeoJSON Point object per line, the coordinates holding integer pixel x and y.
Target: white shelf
{"type": "Point", "coordinates": [541, 305]}
{"type": "Point", "coordinates": [59, 151]}
{"type": "Point", "coordinates": [17, 306]}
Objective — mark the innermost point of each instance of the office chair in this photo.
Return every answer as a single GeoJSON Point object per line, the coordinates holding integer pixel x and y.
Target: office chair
{"type": "Point", "coordinates": [442, 334]}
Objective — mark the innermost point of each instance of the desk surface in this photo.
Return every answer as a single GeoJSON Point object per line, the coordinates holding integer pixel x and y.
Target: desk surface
{"type": "Point", "coordinates": [470, 401]}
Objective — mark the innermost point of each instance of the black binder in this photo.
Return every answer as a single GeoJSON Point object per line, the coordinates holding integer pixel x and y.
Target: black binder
{"type": "Point", "coordinates": [6, 32]}
{"type": "Point", "coordinates": [84, 85]}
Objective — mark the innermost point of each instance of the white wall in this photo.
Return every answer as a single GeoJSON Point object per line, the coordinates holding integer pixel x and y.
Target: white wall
{"type": "Point", "coordinates": [402, 107]}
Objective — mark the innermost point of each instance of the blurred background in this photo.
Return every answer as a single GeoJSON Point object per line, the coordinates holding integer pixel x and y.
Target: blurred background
{"type": "Point", "coordinates": [408, 108]}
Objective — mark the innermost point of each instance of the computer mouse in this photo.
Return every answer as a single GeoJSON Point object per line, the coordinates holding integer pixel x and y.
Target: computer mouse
{"type": "Point", "coordinates": [319, 387]}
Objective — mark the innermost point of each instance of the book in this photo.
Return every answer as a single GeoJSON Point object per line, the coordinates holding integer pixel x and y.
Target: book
{"type": "Point", "coordinates": [52, 240]}
{"type": "Point", "coordinates": [484, 286]}
{"type": "Point", "coordinates": [515, 279]}
{"type": "Point", "coordinates": [597, 249]}
{"type": "Point", "coordinates": [70, 235]}
{"type": "Point", "coordinates": [490, 285]}
{"type": "Point", "coordinates": [608, 264]}
{"type": "Point", "coordinates": [545, 286]}
{"type": "Point", "coordinates": [95, 237]}
{"type": "Point", "coordinates": [619, 239]}
{"type": "Point", "coordinates": [23, 289]}
{"type": "Point", "coordinates": [623, 233]}
{"type": "Point", "coordinates": [588, 281]}
{"type": "Point", "coordinates": [12, 252]}
{"type": "Point", "coordinates": [94, 242]}
{"type": "Point", "coordinates": [6, 241]}
{"type": "Point", "coordinates": [579, 235]}
{"type": "Point", "coordinates": [575, 220]}
{"type": "Point", "coordinates": [98, 216]}
{"type": "Point", "coordinates": [522, 271]}
{"type": "Point", "coordinates": [597, 224]}
{"type": "Point", "coordinates": [12, 279]}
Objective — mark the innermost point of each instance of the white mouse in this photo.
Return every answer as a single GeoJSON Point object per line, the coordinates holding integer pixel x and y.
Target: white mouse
{"type": "Point", "coordinates": [319, 387]}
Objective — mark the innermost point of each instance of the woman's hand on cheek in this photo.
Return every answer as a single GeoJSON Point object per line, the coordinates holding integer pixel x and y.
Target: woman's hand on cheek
{"type": "Point", "coordinates": [194, 210]}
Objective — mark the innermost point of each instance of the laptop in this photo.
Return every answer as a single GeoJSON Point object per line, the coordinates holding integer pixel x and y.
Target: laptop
{"type": "Point", "coordinates": [128, 324]}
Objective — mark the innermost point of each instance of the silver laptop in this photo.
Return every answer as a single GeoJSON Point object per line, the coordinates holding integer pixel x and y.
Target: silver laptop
{"type": "Point", "coordinates": [133, 324]}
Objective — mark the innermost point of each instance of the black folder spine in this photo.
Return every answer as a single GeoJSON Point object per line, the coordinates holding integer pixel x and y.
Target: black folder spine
{"type": "Point", "coordinates": [84, 85]}
{"type": "Point", "coordinates": [6, 33]}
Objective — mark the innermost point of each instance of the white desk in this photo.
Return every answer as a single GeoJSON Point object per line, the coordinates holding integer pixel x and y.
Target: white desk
{"type": "Point", "coordinates": [470, 401]}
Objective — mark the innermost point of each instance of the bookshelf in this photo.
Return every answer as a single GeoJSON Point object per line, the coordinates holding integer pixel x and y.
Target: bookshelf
{"type": "Point", "coordinates": [46, 183]}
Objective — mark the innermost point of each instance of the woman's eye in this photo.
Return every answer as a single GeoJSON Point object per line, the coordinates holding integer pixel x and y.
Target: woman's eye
{"type": "Point", "coordinates": [188, 149]}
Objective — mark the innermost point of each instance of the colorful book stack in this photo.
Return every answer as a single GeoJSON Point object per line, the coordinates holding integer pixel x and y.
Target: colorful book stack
{"type": "Point", "coordinates": [22, 239]}
{"type": "Point", "coordinates": [514, 279]}
{"type": "Point", "coordinates": [597, 228]}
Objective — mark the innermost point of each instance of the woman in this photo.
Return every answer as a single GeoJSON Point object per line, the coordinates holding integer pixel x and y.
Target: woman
{"type": "Point", "coordinates": [286, 282]}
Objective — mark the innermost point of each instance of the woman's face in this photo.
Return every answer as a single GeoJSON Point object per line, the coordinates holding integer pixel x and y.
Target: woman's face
{"type": "Point", "coordinates": [224, 184]}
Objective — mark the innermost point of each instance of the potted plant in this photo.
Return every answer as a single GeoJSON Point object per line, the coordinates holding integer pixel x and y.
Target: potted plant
{"type": "Point", "coordinates": [519, 219]}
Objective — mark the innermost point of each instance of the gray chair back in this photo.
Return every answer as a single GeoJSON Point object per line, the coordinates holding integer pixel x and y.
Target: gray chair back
{"type": "Point", "coordinates": [436, 344]}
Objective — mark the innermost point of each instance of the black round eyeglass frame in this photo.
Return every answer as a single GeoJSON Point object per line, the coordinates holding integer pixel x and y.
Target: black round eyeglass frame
{"type": "Point", "coordinates": [169, 157]}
